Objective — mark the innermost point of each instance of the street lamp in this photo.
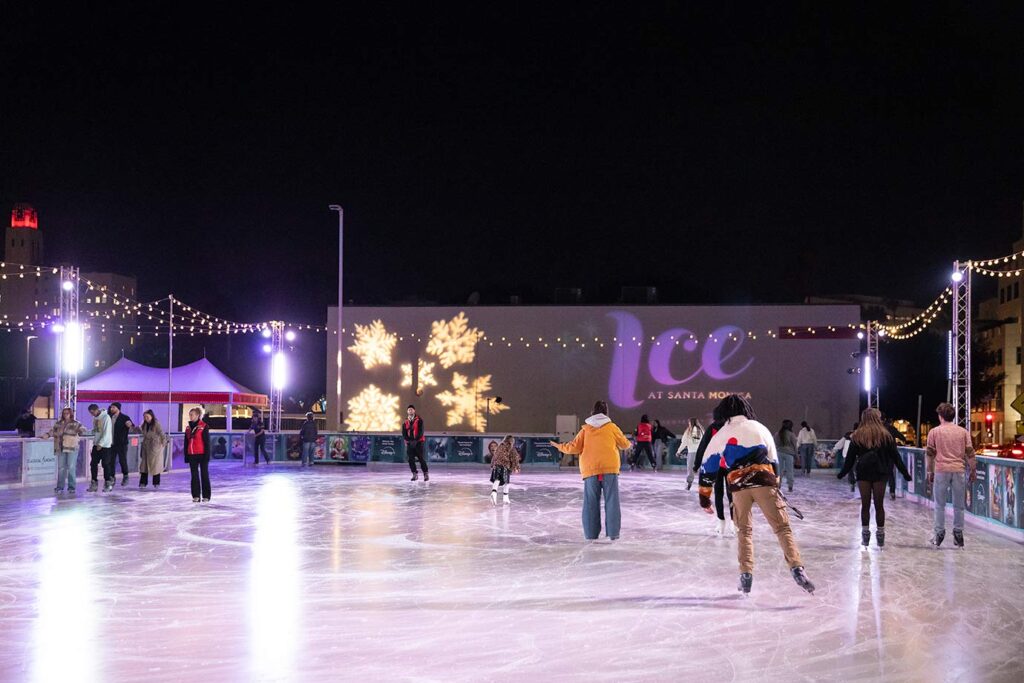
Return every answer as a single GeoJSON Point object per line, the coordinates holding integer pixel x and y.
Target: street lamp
{"type": "Point", "coordinates": [341, 301]}
{"type": "Point", "coordinates": [28, 350]}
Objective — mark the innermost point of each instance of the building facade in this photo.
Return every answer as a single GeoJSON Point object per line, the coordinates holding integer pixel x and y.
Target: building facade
{"type": "Point", "coordinates": [998, 326]}
{"type": "Point", "coordinates": [30, 294]}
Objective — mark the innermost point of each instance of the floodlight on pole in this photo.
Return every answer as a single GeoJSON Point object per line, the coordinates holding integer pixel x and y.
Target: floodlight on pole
{"type": "Point", "coordinates": [278, 371]}
{"type": "Point", "coordinates": [957, 276]}
{"type": "Point", "coordinates": [289, 335]}
{"type": "Point", "coordinates": [866, 372]}
{"type": "Point", "coordinates": [67, 285]}
{"type": "Point", "coordinates": [266, 333]}
{"type": "Point", "coordinates": [73, 348]}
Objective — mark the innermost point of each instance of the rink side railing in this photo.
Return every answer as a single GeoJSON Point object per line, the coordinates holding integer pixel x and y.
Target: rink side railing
{"type": "Point", "coordinates": [993, 499]}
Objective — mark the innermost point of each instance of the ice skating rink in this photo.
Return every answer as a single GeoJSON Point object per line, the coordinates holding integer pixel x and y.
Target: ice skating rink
{"type": "Point", "coordinates": [338, 574]}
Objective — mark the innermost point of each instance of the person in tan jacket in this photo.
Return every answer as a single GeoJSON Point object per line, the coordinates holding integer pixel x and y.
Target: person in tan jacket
{"type": "Point", "coordinates": [598, 445]}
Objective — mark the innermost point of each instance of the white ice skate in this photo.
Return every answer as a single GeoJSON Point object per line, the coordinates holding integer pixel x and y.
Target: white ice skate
{"type": "Point", "coordinates": [505, 500]}
{"type": "Point", "coordinates": [720, 528]}
{"type": "Point", "coordinates": [494, 496]}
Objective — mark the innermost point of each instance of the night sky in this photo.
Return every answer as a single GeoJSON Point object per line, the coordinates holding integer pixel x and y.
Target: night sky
{"type": "Point", "coordinates": [756, 154]}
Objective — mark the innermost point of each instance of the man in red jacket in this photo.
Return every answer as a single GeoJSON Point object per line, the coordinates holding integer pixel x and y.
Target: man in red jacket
{"type": "Point", "coordinates": [412, 432]}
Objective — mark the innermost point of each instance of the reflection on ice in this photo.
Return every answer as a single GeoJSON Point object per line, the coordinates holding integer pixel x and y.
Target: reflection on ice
{"type": "Point", "coordinates": [64, 645]}
{"type": "Point", "coordinates": [338, 574]}
{"type": "Point", "coordinates": [275, 580]}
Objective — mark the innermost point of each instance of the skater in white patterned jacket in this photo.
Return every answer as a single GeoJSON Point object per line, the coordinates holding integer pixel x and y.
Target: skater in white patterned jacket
{"type": "Point", "coordinates": [745, 450]}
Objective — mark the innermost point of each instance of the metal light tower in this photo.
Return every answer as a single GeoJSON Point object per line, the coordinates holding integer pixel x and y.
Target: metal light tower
{"type": "Point", "coordinates": [278, 373]}
{"type": "Point", "coordinates": [70, 343]}
{"type": "Point", "coordinates": [961, 356]}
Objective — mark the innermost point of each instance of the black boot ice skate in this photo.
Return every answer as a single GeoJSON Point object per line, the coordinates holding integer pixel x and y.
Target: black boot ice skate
{"type": "Point", "coordinates": [865, 537]}
{"type": "Point", "coordinates": [958, 538]}
{"type": "Point", "coordinates": [746, 582]}
{"type": "Point", "coordinates": [880, 537]}
{"type": "Point", "coordinates": [938, 538]}
{"type": "Point", "coordinates": [801, 579]}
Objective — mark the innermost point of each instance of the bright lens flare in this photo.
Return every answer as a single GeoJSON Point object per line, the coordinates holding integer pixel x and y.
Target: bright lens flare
{"type": "Point", "coordinates": [72, 348]}
{"type": "Point", "coordinates": [279, 371]}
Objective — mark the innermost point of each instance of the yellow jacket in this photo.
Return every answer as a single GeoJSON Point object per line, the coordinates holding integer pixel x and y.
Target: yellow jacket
{"type": "Point", "coordinates": [598, 445]}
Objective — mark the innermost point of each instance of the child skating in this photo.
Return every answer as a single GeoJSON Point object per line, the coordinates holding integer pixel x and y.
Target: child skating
{"type": "Point", "coordinates": [504, 464]}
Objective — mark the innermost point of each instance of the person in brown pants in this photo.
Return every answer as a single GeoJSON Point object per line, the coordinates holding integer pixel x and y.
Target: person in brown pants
{"type": "Point", "coordinates": [774, 510]}
{"type": "Point", "coordinates": [745, 450]}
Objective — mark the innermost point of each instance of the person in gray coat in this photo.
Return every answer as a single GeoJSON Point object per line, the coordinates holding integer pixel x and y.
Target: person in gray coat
{"type": "Point", "coordinates": [785, 444]}
{"type": "Point", "coordinates": [154, 444]}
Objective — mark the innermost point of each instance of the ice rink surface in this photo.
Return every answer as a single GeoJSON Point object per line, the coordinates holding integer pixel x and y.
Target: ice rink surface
{"type": "Point", "coordinates": [339, 574]}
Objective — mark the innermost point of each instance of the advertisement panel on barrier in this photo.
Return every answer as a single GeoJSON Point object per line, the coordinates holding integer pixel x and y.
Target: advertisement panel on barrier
{"type": "Point", "coordinates": [10, 461]}
{"type": "Point", "coordinates": [674, 457]}
{"type": "Point", "coordinates": [387, 448]}
{"type": "Point", "coordinates": [360, 448]}
{"type": "Point", "coordinates": [238, 446]}
{"type": "Point", "coordinates": [437, 448]}
{"type": "Point", "coordinates": [920, 483]}
{"type": "Point", "coordinates": [219, 446]}
{"type": "Point", "coordinates": [466, 448]}
{"type": "Point", "coordinates": [540, 451]}
{"type": "Point", "coordinates": [40, 463]}
{"type": "Point", "coordinates": [338, 448]}
{"type": "Point", "coordinates": [1009, 495]}
{"type": "Point", "coordinates": [979, 504]}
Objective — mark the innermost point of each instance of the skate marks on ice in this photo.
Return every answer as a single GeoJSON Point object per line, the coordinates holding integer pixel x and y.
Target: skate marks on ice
{"type": "Point", "coordinates": [330, 574]}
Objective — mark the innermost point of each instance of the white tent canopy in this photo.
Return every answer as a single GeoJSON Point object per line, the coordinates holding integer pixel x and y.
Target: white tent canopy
{"type": "Point", "coordinates": [140, 387]}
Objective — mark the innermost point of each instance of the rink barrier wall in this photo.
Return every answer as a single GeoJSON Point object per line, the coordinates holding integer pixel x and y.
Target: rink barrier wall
{"type": "Point", "coordinates": [993, 499]}
{"type": "Point", "coordinates": [31, 462]}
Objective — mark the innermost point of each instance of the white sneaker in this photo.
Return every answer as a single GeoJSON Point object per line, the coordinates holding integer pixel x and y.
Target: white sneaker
{"type": "Point", "coordinates": [494, 497]}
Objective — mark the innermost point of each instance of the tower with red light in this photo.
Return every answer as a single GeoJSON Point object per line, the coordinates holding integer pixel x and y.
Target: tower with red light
{"type": "Point", "coordinates": [23, 242]}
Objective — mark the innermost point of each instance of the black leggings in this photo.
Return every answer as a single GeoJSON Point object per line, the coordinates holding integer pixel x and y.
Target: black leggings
{"type": "Point", "coordinates": [641, 448]}
{"type": "Point", "coordinates": [721, 490]}
{"type": "Point", "coordinates": [869, 489]}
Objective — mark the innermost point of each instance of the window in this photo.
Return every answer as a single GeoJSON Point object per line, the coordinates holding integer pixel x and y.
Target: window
{"type": "Point", "coordinates": [1016, 290]}
{"type": "Point", "coordinates": [1018, 355]}
{"type": "Point", "coordinates": [1002, 295]}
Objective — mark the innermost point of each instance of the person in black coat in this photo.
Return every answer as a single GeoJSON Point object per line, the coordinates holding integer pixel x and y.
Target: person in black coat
{"type": "Point", "coordinates": [122, 426]}
{"type": "Point", "coordinates": [874, 454]}
{"type": "Point", "coordinates": [661, 436]}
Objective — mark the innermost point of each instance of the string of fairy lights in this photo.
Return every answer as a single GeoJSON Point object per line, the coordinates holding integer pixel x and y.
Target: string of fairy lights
{"type": "Point", "coordinates": [115, 312]}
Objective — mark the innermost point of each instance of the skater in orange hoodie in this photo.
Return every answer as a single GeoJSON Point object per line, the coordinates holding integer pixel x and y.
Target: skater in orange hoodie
{"type": "Point", "coordinates": [598, 445]}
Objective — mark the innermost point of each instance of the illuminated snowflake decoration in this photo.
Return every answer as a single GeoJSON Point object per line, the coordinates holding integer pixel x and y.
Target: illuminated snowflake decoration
{"type": "Point", "coordinates": [467, 402]}
{"type": "Point", "coordinates": [453, 341]}
{"type": "Point", "coordinates": [373, 344]}
{"type": "Point", "coordinates": [426, 374]}
{"type": "Point", "coordinates": [373, 411]}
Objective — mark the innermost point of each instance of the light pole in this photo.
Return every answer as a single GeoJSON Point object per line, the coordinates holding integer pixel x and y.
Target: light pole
{"type": "Point", "coordinates": [28, 357]}
{"type": "Point", "coordinates": [341, 302]}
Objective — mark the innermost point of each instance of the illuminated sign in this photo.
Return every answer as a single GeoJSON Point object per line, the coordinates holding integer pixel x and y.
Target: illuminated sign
{"type": "Point", "coordinates": [715, 353]}
{"type": "Point", "coordinates": [671, 362]}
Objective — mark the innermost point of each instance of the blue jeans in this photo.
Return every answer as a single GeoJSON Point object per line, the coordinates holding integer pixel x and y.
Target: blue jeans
{"type": "Point", "coordinates": [807, 456]}
{"type": "Point", "coordinates": [66, 461]}
{"type": "Point", "coordinates": [592, 488]}
{"type": "Point", "coordinates": [308, 449]}
{"type": "Point", "coordinates": [944, 483]}
{"type": "Point", "coordinates": [786, 468]}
